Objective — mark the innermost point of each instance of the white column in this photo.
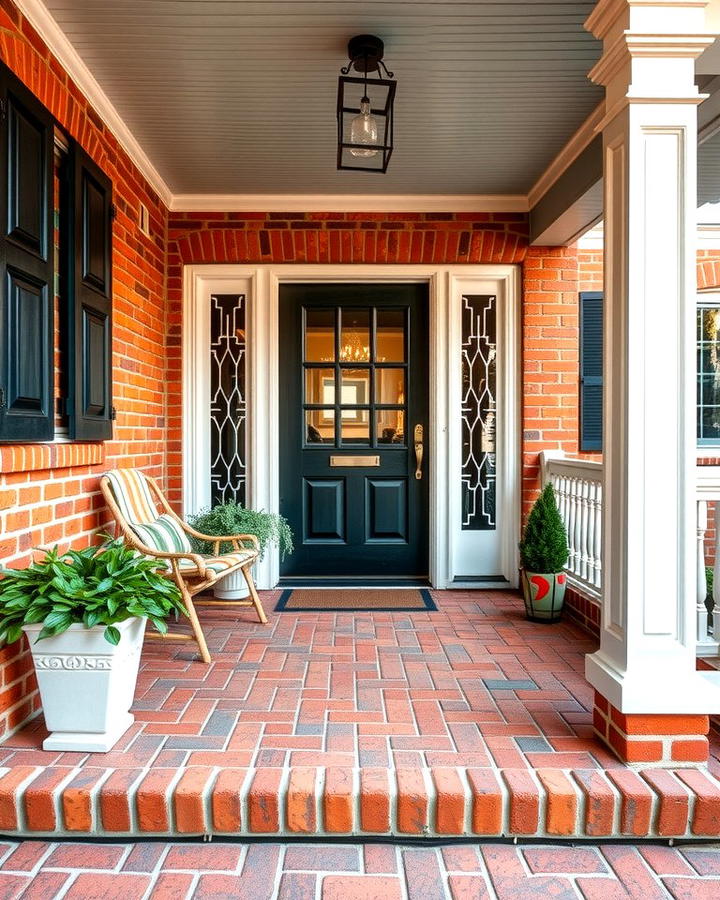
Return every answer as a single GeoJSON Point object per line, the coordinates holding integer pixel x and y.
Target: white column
{"type": "Point", "coordinates": [646, 661]}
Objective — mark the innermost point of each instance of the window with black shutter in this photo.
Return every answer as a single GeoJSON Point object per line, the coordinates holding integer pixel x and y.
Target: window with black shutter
{"type": "Point", "coordinates": [591, 370]}
{"type": "Point", "coordinates": [89, 289]}
{"type": "Point", "coordinates": [27, 265]}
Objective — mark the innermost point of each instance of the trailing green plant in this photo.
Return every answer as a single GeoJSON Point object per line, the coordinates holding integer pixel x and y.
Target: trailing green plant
{"type": "Point", "coordinates": [230, 518]}
{"type": "Point", "coordinates": [544, 547]}
{"type": "Point", "coordinates": [100, 585]}
{"type": "Point", "coordinates": [709, 579]}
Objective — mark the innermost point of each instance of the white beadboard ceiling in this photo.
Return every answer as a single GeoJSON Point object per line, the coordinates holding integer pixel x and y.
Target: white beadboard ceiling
{"type": "Point", "coordinates": [238, 96]}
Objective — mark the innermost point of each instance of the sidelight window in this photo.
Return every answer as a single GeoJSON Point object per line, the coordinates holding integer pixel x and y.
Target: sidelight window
{"type": "Point", "coordinates": [479, 390]}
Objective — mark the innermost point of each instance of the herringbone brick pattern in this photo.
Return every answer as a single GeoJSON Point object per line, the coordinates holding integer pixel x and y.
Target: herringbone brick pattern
{"type": "Point", "coordinates": [272, 871]}
{"type": "Point", "coordinates": [469, 720]}
{"type": "Point", "coordinates": [473, 684]}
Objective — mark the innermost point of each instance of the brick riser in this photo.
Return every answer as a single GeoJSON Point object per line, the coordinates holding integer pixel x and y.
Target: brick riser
{"type": "Point", "coordinates": [549, 803]}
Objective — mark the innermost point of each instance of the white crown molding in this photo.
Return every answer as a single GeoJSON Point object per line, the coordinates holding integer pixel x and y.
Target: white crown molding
{"type": "Point", "coordinates": [567, 156]}
{"type": "Point", "coordinates": [39, 17]}
{"type": "Point", "coordinates": [349, 203]}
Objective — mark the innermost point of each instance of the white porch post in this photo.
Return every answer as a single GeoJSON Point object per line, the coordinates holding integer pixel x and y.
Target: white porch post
{"type": "Point", "coordinates": [646, 661]}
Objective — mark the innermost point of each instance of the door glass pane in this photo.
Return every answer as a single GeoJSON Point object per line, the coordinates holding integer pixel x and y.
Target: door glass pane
{"type": "Point", "coordinates": [354, 387]}
{"type": "Point", "coordinates": [319, 426]}
{"type": "Point", "coordinates": [390, 426]}
{"type": "Point", "coordinates": [227, 397]}
{"type": "Point", "coordinates": [320, 386]}
{"type": "Point", "coordinates": [390, 386]}
{"type": "Point", "coordinates": [355, 425]}
{"type": "Point", "coordinates": [355, 335]}
{"type": "Point", "coordinates": [479, 352]}
{"type": "Point", "coordinates": [320, 335]}
{"type": "Point", "coordinates": [390, 335]}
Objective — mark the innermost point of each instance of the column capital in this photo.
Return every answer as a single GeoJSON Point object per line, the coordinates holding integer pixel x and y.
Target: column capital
{"type": "Point", "coordinates": [658, 17]}
{"type": "Point", "coordinates": [649, 48]}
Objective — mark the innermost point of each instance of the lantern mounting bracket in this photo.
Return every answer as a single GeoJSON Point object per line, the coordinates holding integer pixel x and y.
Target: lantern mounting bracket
{"type": "Point", "coordinates": [365, 52]}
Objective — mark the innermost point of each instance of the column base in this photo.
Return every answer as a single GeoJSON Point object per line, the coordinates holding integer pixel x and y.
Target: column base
{"type": "Point", "coordinates": [651, 739]}
{"type": "Point", "coordinates": [664, 683]}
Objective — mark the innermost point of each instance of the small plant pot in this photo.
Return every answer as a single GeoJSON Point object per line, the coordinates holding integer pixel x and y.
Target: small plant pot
{"type": "Point", "coordinates": [87, 684]}
{"type": "Point", "coordinates": [232, 587]}
{"type": "Point", "coordinates": [544, 595]}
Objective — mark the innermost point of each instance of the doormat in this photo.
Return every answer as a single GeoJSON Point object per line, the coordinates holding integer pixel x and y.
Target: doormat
{"type": "Point", "coordinates": [341, 600]}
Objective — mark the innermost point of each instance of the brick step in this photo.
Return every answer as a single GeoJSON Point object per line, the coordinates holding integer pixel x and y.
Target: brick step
{"type": "Point", "coordinates": [437, 802]}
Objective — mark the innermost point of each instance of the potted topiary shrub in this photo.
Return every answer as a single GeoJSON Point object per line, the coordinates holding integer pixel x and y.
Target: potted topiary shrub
{"type": "Point", "coordinates": [84, 613]}
{"type": "Point", "coordinates": [231, 518]}
{"type": "Point", "coordinates": [543, 554]}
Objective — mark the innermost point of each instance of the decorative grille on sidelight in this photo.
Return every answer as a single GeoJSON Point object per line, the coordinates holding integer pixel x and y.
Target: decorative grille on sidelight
{"type": "Point", "coordinates": [227, 397]}
{"type": "Point", "coordinates": [479, 351]}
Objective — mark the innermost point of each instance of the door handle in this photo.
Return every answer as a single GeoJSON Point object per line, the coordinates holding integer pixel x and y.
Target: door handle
{"type": "Point", "coordinates": [418, 451]}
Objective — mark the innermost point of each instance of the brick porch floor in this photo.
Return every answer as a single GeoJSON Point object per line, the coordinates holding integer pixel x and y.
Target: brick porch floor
{"type": "Point", "coordinates": [466, 721]}
{"type": "Point", "coordinates": [302, 871]}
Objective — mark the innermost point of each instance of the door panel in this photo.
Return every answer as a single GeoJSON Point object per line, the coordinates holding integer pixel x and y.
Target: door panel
{"type": "Point", "coordinates": [324, 510]}
{"type": "Point", "coordinates": [353, 376]}
{"type": "Point", "coordinates": [386, 509]}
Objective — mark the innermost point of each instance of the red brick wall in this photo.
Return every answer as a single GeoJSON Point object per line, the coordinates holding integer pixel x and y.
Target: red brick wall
{"type": "Point", "coordinates": [48, 493]}
{"type": "Point", "coordinates": [550, 359]}
{"type": "Point", "coordinates": [322, 238]}
{"type": "Point", "coordinates": [590, 269]}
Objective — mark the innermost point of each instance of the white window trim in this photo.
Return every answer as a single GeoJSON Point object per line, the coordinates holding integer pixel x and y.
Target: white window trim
{"type": "Point", "coordinates": [707, 451]}
{"type": "Point", "coordinates": [261, 283]}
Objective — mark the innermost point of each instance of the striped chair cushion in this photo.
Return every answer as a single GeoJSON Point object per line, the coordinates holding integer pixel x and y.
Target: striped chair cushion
{"type": "Point", "coordinates": [219, 564]}
{"type": "Point", "coordinates": [132, 495]}
{"type": "Point", "coordinates": [162, 534]}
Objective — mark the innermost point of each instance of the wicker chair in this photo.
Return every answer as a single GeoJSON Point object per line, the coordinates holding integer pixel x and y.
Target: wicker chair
{"type": "Point", "coordinates": [133, 499]}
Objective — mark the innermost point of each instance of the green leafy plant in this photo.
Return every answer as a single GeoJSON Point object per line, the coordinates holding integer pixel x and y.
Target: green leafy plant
{"type": "Point", "coordinates": [544, 547]}
{"type": "Point", "coordinates": [100, 585]}
{"type": "Point", "coordinates": [230, 518]}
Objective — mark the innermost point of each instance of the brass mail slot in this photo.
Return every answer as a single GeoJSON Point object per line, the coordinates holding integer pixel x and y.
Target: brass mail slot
{"type": "Point", "coordinates": [346, 462]}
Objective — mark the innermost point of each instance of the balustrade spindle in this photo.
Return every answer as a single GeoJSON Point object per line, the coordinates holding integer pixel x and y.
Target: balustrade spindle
{"type": "Point", "coordinates": [584, 525]}
{"type": "Point", "coordinates": [597, 536]}
{"type": "Point", "coordinates": [701, 609]}
{"type": "Point", "coordinates": [715, 612]}
{"type": "Point", "coordinates": [571, 516]}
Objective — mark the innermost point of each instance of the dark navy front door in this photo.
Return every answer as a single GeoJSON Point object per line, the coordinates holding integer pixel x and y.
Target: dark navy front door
{"type": "Point", "coordinates": [354, 430]}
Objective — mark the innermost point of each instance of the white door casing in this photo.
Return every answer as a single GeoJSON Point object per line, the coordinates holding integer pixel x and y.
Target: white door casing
{"type": "Point", "coordinates": [451, 550]}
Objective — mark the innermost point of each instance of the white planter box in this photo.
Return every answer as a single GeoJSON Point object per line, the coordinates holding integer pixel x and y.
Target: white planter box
{"type": "Point", "coordinates": [87, 684]}
{"type": "Point", "coordinates": [232, 587]}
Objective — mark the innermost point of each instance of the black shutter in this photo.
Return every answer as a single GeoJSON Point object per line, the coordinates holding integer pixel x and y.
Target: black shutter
{"type": "Point", "coordinates": [591, 370]}
{"type": "Point", "coordinates": [89, 282]}
{"type": "Point", "coordinates": [27, 326]}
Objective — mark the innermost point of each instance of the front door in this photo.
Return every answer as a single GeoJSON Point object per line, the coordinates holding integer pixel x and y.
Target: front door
{"type": "Point", "coordinates": [354, 430]}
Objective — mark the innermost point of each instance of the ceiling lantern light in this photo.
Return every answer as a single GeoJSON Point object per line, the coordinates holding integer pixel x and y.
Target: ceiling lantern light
{"type": "Point", "coordinates": [365, 108]}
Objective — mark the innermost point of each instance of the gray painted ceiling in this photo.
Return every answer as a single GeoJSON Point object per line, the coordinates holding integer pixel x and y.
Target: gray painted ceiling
{"type": "Point", "coordinates": [708, 172]}
{"type": "Point", "coordinates": [238, 96]}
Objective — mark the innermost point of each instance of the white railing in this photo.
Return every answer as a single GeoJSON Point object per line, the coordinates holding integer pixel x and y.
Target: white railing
{"type": "Point", "coordinates": [708, 621]}
{"type": "Point", "coordinates": [578, 489]}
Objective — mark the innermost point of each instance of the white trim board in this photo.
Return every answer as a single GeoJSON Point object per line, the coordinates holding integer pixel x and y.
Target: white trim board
{"type": "Point", "coordinates": [349, 203]}
{"type": "Point", "coordinates": [261, 284]}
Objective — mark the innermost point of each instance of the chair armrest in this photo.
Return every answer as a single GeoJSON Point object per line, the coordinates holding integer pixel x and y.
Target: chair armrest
{"type": "Point", "coordinates": [174, 558]}
{"type": "Point", "coordinates": [216, 540]}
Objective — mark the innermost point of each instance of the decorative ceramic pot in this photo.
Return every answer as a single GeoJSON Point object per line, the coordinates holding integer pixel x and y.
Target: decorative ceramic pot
{"type": "Point", "coordinates": [232, 587]}
{"type": "Point", "coordinates": [87, 684]}
{"type": "Point", "coordinates": [544, 595]}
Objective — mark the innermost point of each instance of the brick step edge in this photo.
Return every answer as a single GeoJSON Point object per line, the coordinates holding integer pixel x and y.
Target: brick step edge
{"type": "Point", "coordinates": [302, 801]}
